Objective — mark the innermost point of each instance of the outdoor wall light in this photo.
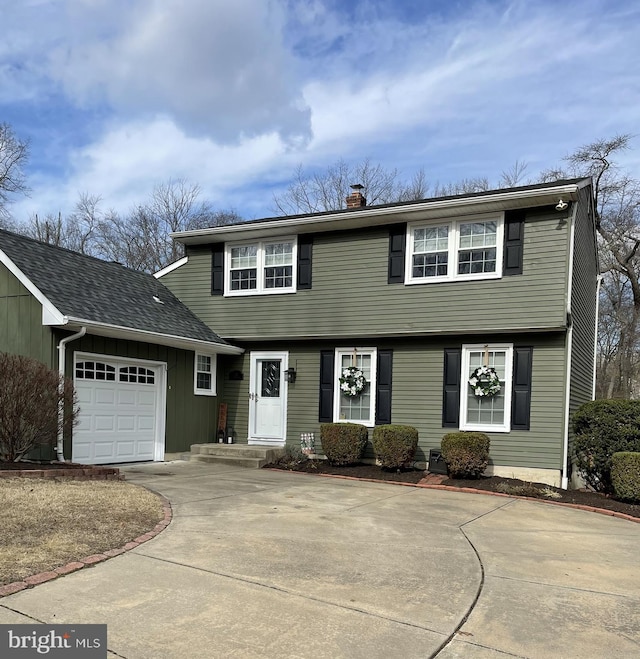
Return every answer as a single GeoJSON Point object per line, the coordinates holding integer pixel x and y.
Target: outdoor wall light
{"type": "Point", "coordinates": [561, 205]}
{"type": "Point", "coordinates": [291, 375]}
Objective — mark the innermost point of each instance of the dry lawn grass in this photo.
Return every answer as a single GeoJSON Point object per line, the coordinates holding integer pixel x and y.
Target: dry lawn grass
{"type": "Point", "coordinates": [47, 523]}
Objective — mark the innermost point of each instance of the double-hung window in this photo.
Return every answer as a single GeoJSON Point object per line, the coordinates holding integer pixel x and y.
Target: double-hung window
{"type": "Point", "coordinates": [486, 413]}
{"type": "Point", "coordinates": [204, 375]}
{"type": "Point", "coordinates": [261, 267]}
{"type": "Point", "coordinates": [455, 250]}
{"type": "Point", "coordinates": [359, 409]}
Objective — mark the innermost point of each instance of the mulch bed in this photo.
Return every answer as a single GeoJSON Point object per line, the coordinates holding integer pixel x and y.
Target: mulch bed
{"type": "Point", "coordinates": [511, 486]}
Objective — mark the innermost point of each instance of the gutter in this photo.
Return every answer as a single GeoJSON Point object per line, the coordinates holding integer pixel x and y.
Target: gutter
{"type": "Point", "coordinates": [396, 212]}
{"type": "Point", "coordinates": [62, 349]}
{"type": "Point", "coordinates": [595, 335]}
{"type": "Point", "coordinates": [567, 415]}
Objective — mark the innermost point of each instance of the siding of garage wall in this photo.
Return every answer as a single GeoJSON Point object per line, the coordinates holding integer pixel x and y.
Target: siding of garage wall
{"type": "Point", "coordinates": [190, 419]}
{"type": "Point", "coordinates": [21, 330]}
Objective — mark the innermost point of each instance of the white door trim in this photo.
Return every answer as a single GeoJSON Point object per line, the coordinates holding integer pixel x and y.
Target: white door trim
{"type": "Point", "coordinates": [254, 357]}
{"type": "Point", "coordinates": [161, 409]}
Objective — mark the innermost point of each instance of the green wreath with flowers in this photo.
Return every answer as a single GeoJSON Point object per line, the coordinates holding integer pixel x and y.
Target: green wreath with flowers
{"type": "Point", "coordinates": [352, 382]}
{"type": "Point", "coordinates": [485, 382]}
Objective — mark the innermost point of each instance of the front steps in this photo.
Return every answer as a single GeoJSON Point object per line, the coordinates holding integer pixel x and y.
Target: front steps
{"type": "Point", "coordinates": [238, 455]}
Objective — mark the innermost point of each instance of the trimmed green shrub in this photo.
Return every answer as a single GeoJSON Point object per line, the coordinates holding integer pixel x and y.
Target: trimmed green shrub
{"type": "Point", "coordinates": [343, 443]}
{"type": "Point", "coordinates": [395, 445]}
{"type": "Point", "coordinates": [466, 453]}
{"type": "Point", "coordinates": [625, 475]}
{"type": "Point", "coordinates": [602, 428]}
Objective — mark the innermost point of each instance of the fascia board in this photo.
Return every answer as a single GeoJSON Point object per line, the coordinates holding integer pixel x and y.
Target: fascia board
{"type": "Point", "coordinates": [130, 334]}
{"type": "Point", "coordinates": [51, 315]}
{"type": "Point", "coordinates": [374, 216]}
{"type": "Point", "coordinates": [171, 267]}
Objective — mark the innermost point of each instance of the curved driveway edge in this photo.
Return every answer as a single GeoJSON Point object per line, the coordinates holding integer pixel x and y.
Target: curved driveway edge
{"type": "Point", "coordinates": [268, 564]}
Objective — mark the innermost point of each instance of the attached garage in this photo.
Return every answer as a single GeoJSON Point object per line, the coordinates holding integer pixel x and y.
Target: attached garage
{"type": "Point", "coordinates": [122, 410]}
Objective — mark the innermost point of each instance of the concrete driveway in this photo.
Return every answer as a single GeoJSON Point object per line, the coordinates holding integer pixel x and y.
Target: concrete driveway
{"type": "Point", "coordinates": [273, 564]}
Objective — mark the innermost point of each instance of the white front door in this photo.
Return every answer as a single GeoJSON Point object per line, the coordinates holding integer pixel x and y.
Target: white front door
{"type": "Point", "coordinates": [268, 398]}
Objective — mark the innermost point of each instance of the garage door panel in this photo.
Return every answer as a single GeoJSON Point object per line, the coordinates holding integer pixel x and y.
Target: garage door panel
{"type": "Point", "coordinates": [104, 396]}
{"type": "Point", "coordinates": [103, 423]}
{"type": "Point", "coordinates": [118, 418]}
{"type": "Point", "coordinates": [146, 398]}
{"type": "Point", "coordinates": [126, 423]}
{"type": "Point", "coordinates": [127, 397]}
{"type": "Point", "coordinates": [146, 423]}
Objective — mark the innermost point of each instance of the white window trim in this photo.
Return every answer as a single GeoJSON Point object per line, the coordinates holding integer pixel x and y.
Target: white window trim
{"type": "Point", "coordinates": [260, 288]}
{"type": "Point", "coordinates": [337, 369]}
{"type": "Point", "coordinates": [454, 231]}
{"type": "Point", "coordinates": [214, 372]}
{"type": "Point", "coordinates": [508, 386]}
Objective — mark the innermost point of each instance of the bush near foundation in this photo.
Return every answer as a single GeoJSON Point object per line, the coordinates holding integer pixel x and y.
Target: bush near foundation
{"type": "Point", "coordinates": [466, 453]}
{"type": "Point", "coordinates": [343, 443]}
{"type": "Point", "coordinates": [602, 428]}
{"type": "Point", "coordinates": [625, 475]}
{"type": "Point", "coordinates": [395, 445]}
{"type": "Point", "coordinates": [32, 398]}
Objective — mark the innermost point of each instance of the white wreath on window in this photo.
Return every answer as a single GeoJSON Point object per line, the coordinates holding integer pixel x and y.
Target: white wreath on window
{"type": "Point", "coordinates": [485, 382]}
{"type": "Point", "coordinates": [352, 382]}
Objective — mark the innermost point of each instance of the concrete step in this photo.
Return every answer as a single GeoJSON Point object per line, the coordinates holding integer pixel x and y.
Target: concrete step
{"type": "Point", "coordinates": [240, 455]}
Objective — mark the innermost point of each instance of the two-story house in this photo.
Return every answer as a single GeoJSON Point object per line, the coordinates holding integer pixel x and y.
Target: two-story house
{"type": "Point", "coordinates": [417, 295]}
{"type": "Point", "coordinates": [266, 315]}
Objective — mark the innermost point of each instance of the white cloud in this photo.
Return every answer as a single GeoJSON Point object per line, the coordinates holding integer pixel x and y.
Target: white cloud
{"type": "Point", "coordinates": [216, 67]}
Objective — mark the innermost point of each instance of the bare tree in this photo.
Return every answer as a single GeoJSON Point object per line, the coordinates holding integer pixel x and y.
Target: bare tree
{"type": "Point", "coordinates": [617, 211]}
{"type": "Point", "coordinates": [328, 189]}
{"type": "Point", "coordinates": [464, 186]}
{"type": "Point", "coordinates": [78, 231]}
{"type": "Point", "coordinates": [141, 239]}
{"type": "Point", "coordinates": [14, 154]}
{"type": "Point", "coordinates": [510, 178]}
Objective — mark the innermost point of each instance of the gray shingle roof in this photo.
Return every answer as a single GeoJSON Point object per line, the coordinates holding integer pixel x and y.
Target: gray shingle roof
{"type": "Point", "coordinates": [99, 291]}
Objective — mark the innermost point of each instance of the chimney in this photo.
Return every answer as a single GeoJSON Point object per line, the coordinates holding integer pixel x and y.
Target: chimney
{"type": "Point", "coordinates": [356, 199]}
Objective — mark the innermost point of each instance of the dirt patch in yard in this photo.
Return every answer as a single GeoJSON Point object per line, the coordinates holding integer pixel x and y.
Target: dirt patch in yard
{"type": "Point", "coordinates": [47, 523]}
{"type": "Point", "coordinates": [509, 486]}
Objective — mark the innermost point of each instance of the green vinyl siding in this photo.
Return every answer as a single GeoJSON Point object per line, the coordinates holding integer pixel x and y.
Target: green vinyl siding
{"type": "Point", "coordinates": [190, 419]}
{"type": "Point", "coordinates": [21, 329]}
{"type": "Point", "coordinates": [417, 395]}
{"type": "Point", "coordinates": [583, 307]}
{"type": "Point", "coordinates": [351, 296]}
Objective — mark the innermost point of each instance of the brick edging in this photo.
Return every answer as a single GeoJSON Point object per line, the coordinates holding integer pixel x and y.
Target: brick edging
{"type": "Point", "coordinates": [76, 474]}
{"type": "Point", "coordinates": [88, 561]}
{"type": "Point", "coordinates": [470, 490]}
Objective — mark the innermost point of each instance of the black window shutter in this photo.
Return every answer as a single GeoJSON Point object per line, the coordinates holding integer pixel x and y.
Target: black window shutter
{"type": "Point", "coordinates": [326, 386]}
{"type": "Point", "coordinates": [397, 248]}
{"type": "Point", "coordinates": [513, 242]}
{"type": "Point", "coordinates": [305, 253]}
{"type": "Point", "coordinates": [521, 398]}
{"type": "Point", "coordinates": [451, 392]}
{"type": "Point", "coordinates": [383, 387]}
{"type": "Point", "coordinates": [217, 269]}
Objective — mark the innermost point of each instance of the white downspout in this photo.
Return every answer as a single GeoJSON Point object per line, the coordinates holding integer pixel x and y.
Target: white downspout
{"type": "Point", "coordinates": [62, 351]}
{"type": "Point", "coordinates": [595, 336]}
{"type": "Point", "coordinates": [567, 414]}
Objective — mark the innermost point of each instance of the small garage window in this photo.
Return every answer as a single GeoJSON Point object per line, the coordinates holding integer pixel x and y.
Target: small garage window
{"type": "Point", "coordinates": [95, 371]}
{"type": "Point", "coordinates": [204, 375]}
{"type": "Point", "coordinates": [137, 375]}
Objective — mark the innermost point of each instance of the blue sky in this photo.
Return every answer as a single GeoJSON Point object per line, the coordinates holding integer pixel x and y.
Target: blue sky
{"type": "Point", "coordinates": [119, 95]}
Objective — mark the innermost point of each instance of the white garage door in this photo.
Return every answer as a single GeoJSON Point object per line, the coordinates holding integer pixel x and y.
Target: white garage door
{"type": "Point", "coordinates": [119, 405]}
